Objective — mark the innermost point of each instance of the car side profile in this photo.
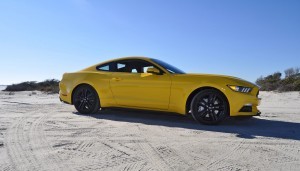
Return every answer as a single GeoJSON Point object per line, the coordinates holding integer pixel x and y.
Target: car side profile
{"type": "Point", "coordinates": [151, 84]}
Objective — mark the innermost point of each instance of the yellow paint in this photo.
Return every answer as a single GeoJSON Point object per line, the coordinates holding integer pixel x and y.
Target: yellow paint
{"type": "Point", "coordinates": [166, 92]}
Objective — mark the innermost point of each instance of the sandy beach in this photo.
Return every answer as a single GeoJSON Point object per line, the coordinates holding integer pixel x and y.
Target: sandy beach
{"type": "Point", "coordinates": [38, 132]}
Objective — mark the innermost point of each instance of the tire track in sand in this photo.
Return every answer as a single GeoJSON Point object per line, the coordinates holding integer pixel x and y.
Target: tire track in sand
{"type": "Point", "coordinates": [27, 146]}
{"type": "Point", "coordinates": [158, 158]}
{"type": "Point", "coordinates": [218, 162]}
{"type": "Point", "coordinates": [39, 141]}
{"type": "Point", "coordinates": [19, 152]}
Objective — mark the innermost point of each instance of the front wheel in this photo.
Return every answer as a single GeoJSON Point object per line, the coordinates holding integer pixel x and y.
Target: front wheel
{"type": "Point", "coordinates": [209, 107]}
{"type": "Point", "coordinates": [86, 100]}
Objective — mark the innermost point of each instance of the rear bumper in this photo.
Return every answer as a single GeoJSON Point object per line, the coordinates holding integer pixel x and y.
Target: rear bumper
{"type": "Point", "coordinates": [64, 93]}
{"type": "Point", "coordinates": [64, 101]}
{"type": "Point", "coordinates": [64, 97]}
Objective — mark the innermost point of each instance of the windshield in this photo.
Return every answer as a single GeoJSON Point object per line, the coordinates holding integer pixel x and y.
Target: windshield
{"type": "Point", "coordinates": [170, 68]}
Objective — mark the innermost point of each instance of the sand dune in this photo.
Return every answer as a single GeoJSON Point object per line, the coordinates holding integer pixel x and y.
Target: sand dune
{"type": "Point", "coordinates": [38, 132]}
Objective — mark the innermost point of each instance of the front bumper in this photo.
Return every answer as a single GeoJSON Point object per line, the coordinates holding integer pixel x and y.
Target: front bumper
{"type": "Point", "coordinates": [244, 105]}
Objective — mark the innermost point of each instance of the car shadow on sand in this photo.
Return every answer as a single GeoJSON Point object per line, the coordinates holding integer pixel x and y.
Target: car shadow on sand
{"type": "Point", "coordinates": [242, 128]}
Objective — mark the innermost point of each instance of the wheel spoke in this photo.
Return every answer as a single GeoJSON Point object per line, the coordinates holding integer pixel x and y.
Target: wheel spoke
{"type": "Point", "coordinates": [202, 102]}
{"type": "Point", "coordinates": [212, 98]}
{"type": "Point", "coordinates": [90, 105]}
{"type": "Point", "coordinates": [90, 95]}
{"type": "Point", "coordinates": [202, 114]}
{"type": "Point", "coordinates": [219, 107]}
{"type": "Point", "coordinates": [213, 116]}
{"type": "Point", "coordinates": [81, 105]}
{"type": "Point", "coordinates": [91, 99]}
{"type": "Point", "coordinates": [202, 105]}
{"type": "Point", "coordinates": [201, 108]}
{"type": "Point", "coordinates": [87, 106]}
{"type": "Point", "coordinates": [85, 93]}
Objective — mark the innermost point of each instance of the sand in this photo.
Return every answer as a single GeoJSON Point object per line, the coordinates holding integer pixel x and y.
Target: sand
{"type": "Point", "coordinates": [38, 132]}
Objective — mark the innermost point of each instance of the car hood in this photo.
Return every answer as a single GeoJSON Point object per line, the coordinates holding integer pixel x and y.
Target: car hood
{"type": "Point", "coordinates": [230, 80]}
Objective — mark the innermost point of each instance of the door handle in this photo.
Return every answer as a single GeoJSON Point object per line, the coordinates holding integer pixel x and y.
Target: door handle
{"type": "Point", "coordinates": [116, 79]}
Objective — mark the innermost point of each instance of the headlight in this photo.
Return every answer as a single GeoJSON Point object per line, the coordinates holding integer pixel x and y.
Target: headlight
{"type": "Point", "coordinates": [240, 89]}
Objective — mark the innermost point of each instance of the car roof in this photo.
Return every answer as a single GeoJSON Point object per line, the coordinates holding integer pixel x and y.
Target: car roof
{"type": "Point", "coordinates": [131, 57]}
{"type": "Point", "coordinates": [125, 58]}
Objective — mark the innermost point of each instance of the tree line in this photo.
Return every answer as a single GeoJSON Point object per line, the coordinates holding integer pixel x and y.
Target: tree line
{"type": "Point", "coordinates": [275, 81]}
{"type": "Point", "coordinates": [49, 86]}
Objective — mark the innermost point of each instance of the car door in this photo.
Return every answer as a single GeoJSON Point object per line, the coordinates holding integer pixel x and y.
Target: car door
{"type": "Point", "coordinates": [132, 86]}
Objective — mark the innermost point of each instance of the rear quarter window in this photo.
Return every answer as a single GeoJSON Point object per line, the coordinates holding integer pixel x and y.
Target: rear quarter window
{"type": "Point", "coordinates": [105, 67]}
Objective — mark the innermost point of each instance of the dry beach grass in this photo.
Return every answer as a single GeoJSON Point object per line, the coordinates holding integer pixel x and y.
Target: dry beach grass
{"type": "Point", "coordinates": [38, 132]}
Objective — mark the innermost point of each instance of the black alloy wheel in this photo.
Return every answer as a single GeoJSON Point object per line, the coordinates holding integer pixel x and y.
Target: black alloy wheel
{"type": "Point", "coordinates": [86, 100]}
{"type": "Point", "coordinates": [209, 107]}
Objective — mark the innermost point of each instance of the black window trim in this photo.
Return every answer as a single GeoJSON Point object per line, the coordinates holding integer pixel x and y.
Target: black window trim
{"type": "Point", "coordinates": [129, 60]}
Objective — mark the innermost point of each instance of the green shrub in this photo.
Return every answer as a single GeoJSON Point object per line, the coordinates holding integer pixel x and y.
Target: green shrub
{"type": "Point", "coordinates": [49, 86]}
{"type": "Point", "coordinates": [272, 82]}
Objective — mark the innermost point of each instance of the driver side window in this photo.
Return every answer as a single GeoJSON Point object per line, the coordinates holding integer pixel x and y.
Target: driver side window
{"type": "Point", "coordinates": [133, 66]}
{"type": "Point", "coordinates": [122, 66]}
{"type": "Point", "coordinates": [146, 68]}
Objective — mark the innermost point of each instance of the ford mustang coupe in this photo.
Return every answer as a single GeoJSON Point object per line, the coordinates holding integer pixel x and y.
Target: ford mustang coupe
{"type": "Point", "coordinates": [151, 84]}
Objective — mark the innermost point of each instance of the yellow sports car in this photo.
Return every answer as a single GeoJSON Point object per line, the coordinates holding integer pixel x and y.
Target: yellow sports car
{"type": "Point", "coordinates": [151, 84]}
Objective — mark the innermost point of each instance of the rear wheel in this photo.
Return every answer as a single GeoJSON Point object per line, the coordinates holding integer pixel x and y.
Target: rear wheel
{"type": "Point", "coordinates": [86, 100]}
{"type": "Point", "coordinates": [209, 107]}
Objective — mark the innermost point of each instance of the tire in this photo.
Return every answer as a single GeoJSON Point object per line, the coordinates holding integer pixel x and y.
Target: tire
{"type": "Point", "coordinates": [86, 100]}
{"type": "Point", "coordinates": [209, 107]}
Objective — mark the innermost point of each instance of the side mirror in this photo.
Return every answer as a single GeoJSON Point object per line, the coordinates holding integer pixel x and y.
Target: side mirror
{"type": "Point", "coordinates": [153, 71]}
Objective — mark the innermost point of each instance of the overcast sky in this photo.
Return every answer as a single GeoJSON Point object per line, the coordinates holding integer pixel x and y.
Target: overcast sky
{"type": "Point", "coordinates": [247, 39]}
